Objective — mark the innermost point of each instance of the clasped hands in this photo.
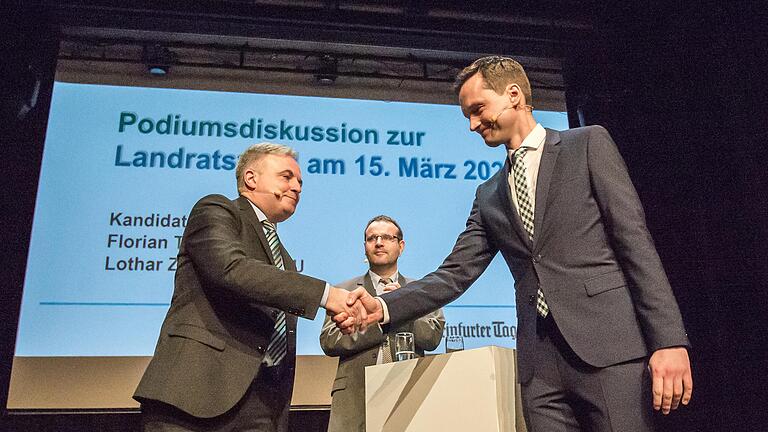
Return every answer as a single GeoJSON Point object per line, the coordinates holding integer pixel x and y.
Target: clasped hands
{"type": "Point", "coordinates": [354, 311]}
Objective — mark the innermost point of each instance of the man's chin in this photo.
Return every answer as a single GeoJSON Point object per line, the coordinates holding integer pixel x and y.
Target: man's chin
{"type": "Point", "coordinates": [491, 142]}
{"type": "Point", "coordinates": [285, 214]}
{"type": "Point", "coordinates": [378, 260]}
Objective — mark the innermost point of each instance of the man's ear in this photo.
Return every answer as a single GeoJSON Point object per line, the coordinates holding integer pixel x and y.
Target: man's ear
{"type": "Point", "coordinates": [250, 177]}
{"type": "Point", "coordinates": [514, 94]}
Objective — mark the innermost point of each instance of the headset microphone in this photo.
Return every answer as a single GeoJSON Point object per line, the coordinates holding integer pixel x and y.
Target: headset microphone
{"type": "Point", "coordinates": [496, 117]}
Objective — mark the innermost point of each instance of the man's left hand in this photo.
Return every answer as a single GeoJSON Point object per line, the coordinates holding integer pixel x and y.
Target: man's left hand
{"type": "Point", "coordinates": [391, 286]}
{"type": "Point", "coordinates": [671, 376]}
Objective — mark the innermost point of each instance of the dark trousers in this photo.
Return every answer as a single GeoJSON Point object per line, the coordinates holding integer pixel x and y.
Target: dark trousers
{"type": "Point", "coordinates": [263, 408]}
{"type": "Point", "coordinates": [568, 395]}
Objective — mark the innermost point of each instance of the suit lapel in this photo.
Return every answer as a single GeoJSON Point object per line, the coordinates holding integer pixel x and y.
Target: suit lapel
{"type": "Point", "coordinates": [504, 191]}
{"type": "Point", "coordinates": [253, 220]}
{"type": "Point", "coordinates": [546, 167]}
{"type": "Point", "coordinates": [367, 283]}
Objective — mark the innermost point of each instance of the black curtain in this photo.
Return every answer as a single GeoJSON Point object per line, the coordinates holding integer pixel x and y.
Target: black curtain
{"type": "Point", "coordinates": [681, 88]}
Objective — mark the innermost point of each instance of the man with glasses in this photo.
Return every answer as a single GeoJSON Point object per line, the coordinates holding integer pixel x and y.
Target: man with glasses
{"type": "Point", "coordinates": [383, 246]}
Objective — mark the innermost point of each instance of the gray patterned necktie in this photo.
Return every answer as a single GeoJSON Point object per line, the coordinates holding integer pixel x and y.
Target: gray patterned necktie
{"type": "Point", "coordinates": [386, 352]}
{"type": "Point", "coordinates": [278, 343]}
{"type": "Point", "coordinates": [525, 209]}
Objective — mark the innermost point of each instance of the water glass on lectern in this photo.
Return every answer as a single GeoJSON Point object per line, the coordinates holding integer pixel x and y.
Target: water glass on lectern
{"type": "Point", "coordinates": [454, 343]}
{"type": "Point", "coordinates": [404, 346]}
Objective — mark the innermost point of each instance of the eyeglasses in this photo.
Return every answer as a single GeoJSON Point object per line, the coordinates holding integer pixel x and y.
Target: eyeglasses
{"type": "Point", "coordinates": [384, 238]}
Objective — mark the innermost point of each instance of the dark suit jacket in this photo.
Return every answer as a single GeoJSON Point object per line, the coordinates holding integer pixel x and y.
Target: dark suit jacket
{"type": "Point", "coordinates": [226, 296]}
{"type": "Point", "coordinates": [357, 351]}
{"type": "Point", "coordinates": [592, 256]}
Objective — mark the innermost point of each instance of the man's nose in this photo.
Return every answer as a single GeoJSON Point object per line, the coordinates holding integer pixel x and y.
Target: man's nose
{"type": "Point", "coordinates": [474, 123]}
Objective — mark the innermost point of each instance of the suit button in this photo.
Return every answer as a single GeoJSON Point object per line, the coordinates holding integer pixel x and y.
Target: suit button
{"type": "Point", "coordinates": [274, 314]}
{"type": "Point", "coordinates": [537, 258]}
{"type": "Point", "coordinates": [260, 349]}
{"type": "Point", "coordinates": [531, 299]}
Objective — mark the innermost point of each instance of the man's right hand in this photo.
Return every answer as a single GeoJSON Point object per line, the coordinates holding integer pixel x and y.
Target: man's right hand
{"type": "Point", "coordinates": [368, 308]}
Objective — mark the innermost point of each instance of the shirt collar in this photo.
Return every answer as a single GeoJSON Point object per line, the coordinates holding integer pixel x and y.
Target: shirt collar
{"type": "Point", "coordinates": [259, 214]}
{"type": "Point", "coordinates": [533, 140]}
{"type": "Point", "coordinates": [376, 278]}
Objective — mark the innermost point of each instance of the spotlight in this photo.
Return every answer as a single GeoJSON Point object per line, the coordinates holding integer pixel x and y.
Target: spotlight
{"type": "Point", "coordinates": [328, 72]}
{"type": "Point", "coordinates": [157, 70]}
{"type": "Point", "coordinates": [325, 80]}
{"type": "Point", "coordinates": [158, 59]}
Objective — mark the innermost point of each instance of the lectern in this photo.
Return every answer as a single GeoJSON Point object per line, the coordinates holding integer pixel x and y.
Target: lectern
{"type": "Point", "coordinates": [473, 390]}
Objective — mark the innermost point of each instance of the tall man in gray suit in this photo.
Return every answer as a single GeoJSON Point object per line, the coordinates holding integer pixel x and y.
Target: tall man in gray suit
{"type": "Point", "coordinates": [600, 336]}
{"type": "Point", "coordinates": [226, 353]}
{"type": "Point", "coordinates": [383, 246]}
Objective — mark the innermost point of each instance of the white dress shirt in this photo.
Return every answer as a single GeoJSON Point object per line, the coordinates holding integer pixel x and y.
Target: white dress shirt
{"type": "Point", "coordinates": [534, 141]}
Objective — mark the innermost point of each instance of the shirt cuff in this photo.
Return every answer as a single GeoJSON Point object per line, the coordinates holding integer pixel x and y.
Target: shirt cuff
{"type": "Point", "coordinates": [327, 291]}
{"type": "Point", "coordinates": [384, 311]}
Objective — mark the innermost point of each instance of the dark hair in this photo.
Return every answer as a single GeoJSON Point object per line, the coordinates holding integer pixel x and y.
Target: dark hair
{"type": "Point", "coordinates": [384, 218]}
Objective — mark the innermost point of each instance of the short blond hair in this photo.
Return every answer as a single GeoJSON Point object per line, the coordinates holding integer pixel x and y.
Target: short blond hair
{"type": "Point", "coordinates": [254, 153]}
{"type": "Point", "coordinates": [498, 72]}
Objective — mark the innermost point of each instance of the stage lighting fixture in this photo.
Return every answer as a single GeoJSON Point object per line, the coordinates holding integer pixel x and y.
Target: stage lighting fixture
{"type": "Point", "coordinates": [158, 59]}
{"type": "Point", "coordinates": [328, 71]}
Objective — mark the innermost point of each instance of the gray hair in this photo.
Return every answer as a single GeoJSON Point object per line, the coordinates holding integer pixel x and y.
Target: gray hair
{"type": "Point", "coordinates": [257, 151]}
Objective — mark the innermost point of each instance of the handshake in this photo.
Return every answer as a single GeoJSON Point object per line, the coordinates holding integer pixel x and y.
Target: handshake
{"type": "Point", "coordinates": [354, 311]}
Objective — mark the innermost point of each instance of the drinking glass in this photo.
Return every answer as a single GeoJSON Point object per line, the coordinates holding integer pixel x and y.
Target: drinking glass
{"type": "Point", "coordinates": [454, 343]}
{"type": "Point", "coordinates": [404, 347]}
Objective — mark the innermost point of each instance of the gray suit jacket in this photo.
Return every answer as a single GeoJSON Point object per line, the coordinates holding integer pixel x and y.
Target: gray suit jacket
{"type": "Point", "coordinates": [592, 256]}
{"type": "Point", "coordinates": [357, 351]}
{"type": "Point", "coordinates": [226, 297]}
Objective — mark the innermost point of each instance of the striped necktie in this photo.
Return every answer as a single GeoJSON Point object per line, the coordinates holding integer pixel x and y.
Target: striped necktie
{"type": "Point", "coordinates": [278, 343]}
{"type": "Point", "coordinates": [386, 352]}
{"type": "Point", "coordinates": [525, 209]}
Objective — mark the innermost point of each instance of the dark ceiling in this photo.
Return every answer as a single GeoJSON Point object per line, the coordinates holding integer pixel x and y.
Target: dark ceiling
{"type": "Point", "coordinates": [542, 28]}
{"type": "Point", "coordinates": [430, 39]}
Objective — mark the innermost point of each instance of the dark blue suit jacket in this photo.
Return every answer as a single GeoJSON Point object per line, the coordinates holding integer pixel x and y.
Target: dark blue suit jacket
{"type": "Point", "coordinates": [591, 255]}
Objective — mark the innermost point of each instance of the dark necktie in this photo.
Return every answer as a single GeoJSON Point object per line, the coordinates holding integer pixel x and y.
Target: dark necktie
{"type": "Point", "coordinates": [277, 347]}
{"type": "Point", "coordinates": [525, 209]}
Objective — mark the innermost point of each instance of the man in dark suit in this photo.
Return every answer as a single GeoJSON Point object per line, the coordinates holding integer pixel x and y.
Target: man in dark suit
{"type": "Point", "coordinates": [383, 246]}
{"type": "Point", "coordinates": [600, 336]}
{"type": "Point", "coordinates": [225, 356]}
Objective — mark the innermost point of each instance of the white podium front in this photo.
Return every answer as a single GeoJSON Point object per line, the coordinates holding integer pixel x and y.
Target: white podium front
{"type": "Point", "coordinates": [473, 390]}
